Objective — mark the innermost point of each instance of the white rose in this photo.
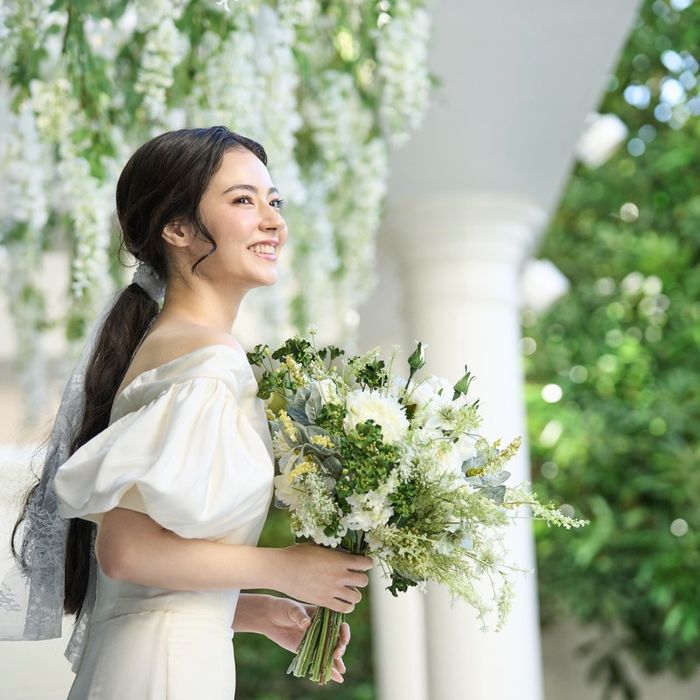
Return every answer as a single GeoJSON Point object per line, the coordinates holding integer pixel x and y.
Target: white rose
{"type": "Point", "coordinates": [430, 389]}
{"type": "Point", "coordinates": [449, 461]}
{"type": "Point", "coordinates": [396, 386]}
{"type": "Point", "coordinates": [466, 447]}
{"type": "Point", "coordinates": [441, 386]}
{"type": "Point", "coordinates": [288, 493]}
{"type": "Point", "coordinates": [420, 394]}
{"type": "Point", "coordinates": [383, 410]}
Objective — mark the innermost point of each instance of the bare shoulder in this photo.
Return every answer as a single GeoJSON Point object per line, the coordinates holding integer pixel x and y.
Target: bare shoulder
{"type": "Point", "coordinates": [168, 342]}
{"type": "Point", "coordinates": [196, 337]}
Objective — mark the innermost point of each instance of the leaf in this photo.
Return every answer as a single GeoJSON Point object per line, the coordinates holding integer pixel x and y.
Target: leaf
{"type": "Point", "coordinates": [494, 493]}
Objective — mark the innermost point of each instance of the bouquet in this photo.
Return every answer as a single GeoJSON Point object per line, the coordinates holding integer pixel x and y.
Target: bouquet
{"type": "Point", "coordinates": [391, 467]}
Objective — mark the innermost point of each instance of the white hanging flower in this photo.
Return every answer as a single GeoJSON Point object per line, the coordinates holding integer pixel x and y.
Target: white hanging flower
{"type": "Point", "coordinates": [402, 50]}
{"type": "Point", "coordinates": [278, 109]}
{"type": "Point", "coordinates": [311, 246]}
{"type": "Point", "coordinates": [299, 12]}
{"type": "Point", "coordinates": [165, 47]}
{"type": "Point", "coordinates": [229, 90]}
{"type": "Point", "coordinates": [55, 107]}
{"type": "Point", "coordinates": [25, 158]}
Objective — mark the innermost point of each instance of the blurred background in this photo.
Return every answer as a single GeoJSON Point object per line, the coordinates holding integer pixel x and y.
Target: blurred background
{"type": "Point", "coordinates": [516, 184]}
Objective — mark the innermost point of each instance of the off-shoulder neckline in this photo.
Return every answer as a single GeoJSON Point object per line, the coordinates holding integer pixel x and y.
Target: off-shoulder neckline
{"type": "Point", "coordinates": [169, 363]}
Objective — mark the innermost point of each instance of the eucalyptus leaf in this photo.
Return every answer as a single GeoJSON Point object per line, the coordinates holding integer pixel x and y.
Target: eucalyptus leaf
{"type": "Point", "coordinates": [496, 478]}
{"type": "Point", "coordinates": [495, 493]}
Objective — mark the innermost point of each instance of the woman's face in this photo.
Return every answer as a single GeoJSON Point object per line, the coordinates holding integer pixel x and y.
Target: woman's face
{"type": "Point", "coordinates": [241, 210]}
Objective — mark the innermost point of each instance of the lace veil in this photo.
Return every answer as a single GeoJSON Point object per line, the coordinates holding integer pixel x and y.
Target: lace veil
{"type": "Point", "coordinates": [31, 600]}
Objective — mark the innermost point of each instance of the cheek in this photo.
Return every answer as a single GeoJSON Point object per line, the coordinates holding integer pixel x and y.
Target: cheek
{"type": "Point", "coordinates": [283, 236]}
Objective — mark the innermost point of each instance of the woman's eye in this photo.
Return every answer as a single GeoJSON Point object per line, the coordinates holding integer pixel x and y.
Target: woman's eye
{"type": "Point", "coordinates": [278, 203]}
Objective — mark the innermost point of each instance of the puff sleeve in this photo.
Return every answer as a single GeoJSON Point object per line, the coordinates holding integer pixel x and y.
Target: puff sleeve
{"type": "Point", "coordinates": [192, 458]}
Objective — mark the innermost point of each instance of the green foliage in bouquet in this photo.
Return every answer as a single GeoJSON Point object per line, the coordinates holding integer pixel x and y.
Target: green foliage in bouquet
{"type": "Point", "coordinates": [425, 496]}
{"type": "Point", "coordinates": [623, 347]}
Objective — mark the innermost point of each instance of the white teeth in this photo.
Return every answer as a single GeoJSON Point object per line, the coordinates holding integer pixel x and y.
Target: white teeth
{"type": "Point", "coordinates": [268, 249]}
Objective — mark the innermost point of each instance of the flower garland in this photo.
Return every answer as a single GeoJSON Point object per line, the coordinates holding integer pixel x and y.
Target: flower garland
{"type": "Point", "coordinates": [327, 92]}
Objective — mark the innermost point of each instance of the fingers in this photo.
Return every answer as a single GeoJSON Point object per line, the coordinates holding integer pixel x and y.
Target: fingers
{"type": "Point", "coordinates": [353, 595]}
{"type": "Point", "coordinates": [358, 562]}
{"type": "Point", "coordinates": [338, 663]}
{"type": "Point", "coordinates": [358, 579]}
{"type": "Point", "coordinates": [340, 605]}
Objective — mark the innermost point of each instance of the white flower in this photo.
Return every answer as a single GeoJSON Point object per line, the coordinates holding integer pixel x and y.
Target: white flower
{"type": "Point", "coordinates": [370, 510]}
{"type": "Point", "coordinates": [402, 48]}
{"type": "Point", "coordinates": [318, 535]}
{"type": "Point", "coordinates": [326, 390]}
{"type": "Point", "coordinates": [28, 171]}
{"type": "Point", "coordinates": [425, 391]}
{"type": "Point", "coordinates": [448, 460]}
{"type": "Point", "coordinates": [466, 447]}
{"type": "Point", "coordinates": [164, 48]}
{"type": "Point", "coordinates": [321, 392]}
{"type": "Point", "coordinates": [396, 386]}
{"type": "Point", "coordinates": [383, 410]}
{"type": "Point", "coordinates": [286, 491]}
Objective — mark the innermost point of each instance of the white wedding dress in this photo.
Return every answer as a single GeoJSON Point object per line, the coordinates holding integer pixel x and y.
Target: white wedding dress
{"type": "Point", "coordinates": [188, 444]}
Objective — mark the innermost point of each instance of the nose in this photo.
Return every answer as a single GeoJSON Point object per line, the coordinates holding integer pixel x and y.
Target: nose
{"type": "Point", "coordinates": [272, 218]}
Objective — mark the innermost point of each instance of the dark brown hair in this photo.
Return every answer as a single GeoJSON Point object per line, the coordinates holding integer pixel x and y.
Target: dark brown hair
{"type": "Point", "coordinates": [163, 181]}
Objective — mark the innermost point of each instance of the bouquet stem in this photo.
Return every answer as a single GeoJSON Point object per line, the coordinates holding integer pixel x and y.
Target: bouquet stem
{"type": "Point", "coordinates": [314, 658]}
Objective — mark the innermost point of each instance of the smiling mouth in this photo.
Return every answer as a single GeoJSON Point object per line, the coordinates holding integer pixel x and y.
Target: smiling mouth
{"type": "Point", "coordinates": [264, 251]}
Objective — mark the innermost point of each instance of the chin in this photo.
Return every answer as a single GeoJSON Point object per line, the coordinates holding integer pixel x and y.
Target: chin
{"type": "Point", "coordinates": [266, 282]}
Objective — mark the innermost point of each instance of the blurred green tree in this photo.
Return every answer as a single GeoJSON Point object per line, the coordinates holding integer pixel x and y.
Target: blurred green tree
{"type": "Point", "coordinates": [623, 443]}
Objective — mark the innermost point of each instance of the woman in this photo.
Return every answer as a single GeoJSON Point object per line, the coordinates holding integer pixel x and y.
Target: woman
{"type": "Point", "coordinates": [172, 464]}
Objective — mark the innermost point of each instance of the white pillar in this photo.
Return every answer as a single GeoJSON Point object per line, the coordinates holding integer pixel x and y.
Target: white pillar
{"type": "Point", "coordinates": [462, 254]}
{"type": "Point", "coordinates": [398, 642]}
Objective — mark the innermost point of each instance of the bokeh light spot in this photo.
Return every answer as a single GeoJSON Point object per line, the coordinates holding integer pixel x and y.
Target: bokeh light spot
{"type": "Point", "coordinates": [679, 527]}
{"type": "Point", "coordinates": [552, 393]}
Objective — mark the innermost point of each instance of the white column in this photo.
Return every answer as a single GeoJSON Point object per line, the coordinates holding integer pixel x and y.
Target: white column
{"type": "Point", "coordinates": [461, 256]}
{"type": "Point", "coordinates": [398, 641]}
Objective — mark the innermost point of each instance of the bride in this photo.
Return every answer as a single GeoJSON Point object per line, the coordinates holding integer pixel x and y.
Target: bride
{"type": "Point", "coordinates": [168, 476]}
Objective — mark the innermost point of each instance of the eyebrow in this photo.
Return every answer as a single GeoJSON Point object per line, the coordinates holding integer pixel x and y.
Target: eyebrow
{"type": "Point", "coordinates": [250, 188]}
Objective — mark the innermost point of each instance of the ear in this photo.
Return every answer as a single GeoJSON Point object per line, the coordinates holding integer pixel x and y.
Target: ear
{"type": "Point", "coordinates": [178, 234]}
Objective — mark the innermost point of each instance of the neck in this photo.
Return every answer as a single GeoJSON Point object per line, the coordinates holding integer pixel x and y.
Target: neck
{"type": "Point", "coordinates": [202, 303]}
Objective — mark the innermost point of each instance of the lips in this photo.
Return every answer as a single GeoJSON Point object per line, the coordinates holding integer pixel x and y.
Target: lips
{"type": "Point", "coordinates": [264, 251]}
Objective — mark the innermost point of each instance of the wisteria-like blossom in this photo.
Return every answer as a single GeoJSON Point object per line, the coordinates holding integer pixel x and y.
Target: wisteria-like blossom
{"type": "Point", "coordinates": [165, 47]}
{"type": "Point", "coordinates": [402, 49]}
{"type": "Point", "coordinates": [278, 72]}
{"type": "Point", "coordinates": [25, 174]}
{"type": "Point", "coordinates": [278, 110]}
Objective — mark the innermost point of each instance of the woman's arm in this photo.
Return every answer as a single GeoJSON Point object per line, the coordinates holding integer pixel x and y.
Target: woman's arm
{"type": "Point", "coordinates": [130, 545]}
{"type": "Point", "coordinates": [250, 610]}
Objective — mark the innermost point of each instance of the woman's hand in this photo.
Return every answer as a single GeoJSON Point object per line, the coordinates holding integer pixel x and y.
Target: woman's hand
{"type": "Point", "coordinates": [285, 621]}
{"type": "Point", "coordinates": [322, 576]}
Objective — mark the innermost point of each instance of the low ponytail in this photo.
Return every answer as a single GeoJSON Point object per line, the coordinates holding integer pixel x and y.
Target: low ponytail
{"type": "Point", "coordinates": [120, 335]}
